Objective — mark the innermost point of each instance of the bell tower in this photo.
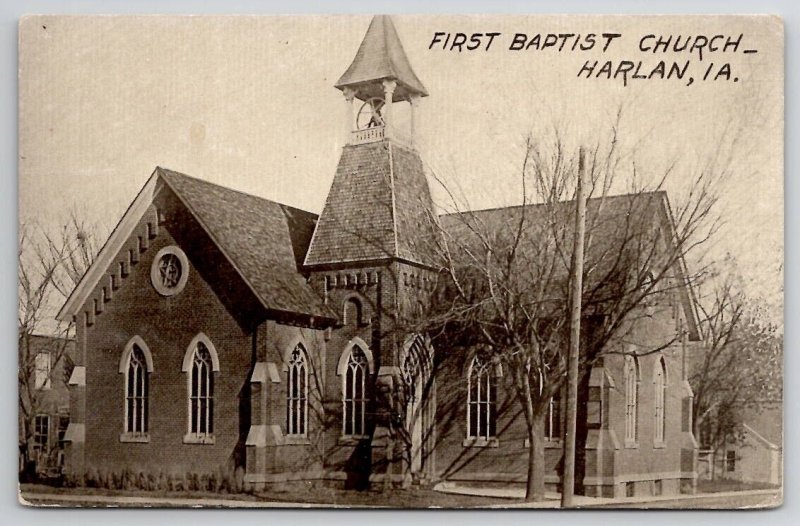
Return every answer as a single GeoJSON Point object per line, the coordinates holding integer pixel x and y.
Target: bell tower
{"type": "Point", "coordinates": [379, 207]}
{"type": "Point", "coordinates": [379, 77]}
{"type": "Point", "coordinates": [373, 258]}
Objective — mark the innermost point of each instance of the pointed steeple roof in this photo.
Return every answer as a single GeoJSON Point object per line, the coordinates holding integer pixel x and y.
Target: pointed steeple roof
{"type": "Point", "coordinates": [379, 207]}
{"type": "Point", "coordinates": [381, 57]}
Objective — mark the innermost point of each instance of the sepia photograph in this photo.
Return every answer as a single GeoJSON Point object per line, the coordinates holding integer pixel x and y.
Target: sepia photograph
{"type": "Point", "coordinates": [401, 261]}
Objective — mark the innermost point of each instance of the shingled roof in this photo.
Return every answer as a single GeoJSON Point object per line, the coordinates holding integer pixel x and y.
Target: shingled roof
{"type": "Point", "coordinates": [615, 226]}
{"type": "Point", "coordinates": [381, 56]}
{"type": "Point", "coordinates": [379, 207]}
{"type": "Point", "coordinates": [264, 240]}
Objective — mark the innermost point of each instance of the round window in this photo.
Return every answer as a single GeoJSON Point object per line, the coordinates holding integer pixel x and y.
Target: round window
{"type": "Point", "coordinates": [170, 271]}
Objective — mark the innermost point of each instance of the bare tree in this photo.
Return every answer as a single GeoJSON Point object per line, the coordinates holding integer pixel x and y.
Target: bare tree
{"type": "Point", "coordinates": [50, 265]}
{"type": "Point", "coordinates": [740, 365]}
{"type": "Point", "coordinates": [506, 286]}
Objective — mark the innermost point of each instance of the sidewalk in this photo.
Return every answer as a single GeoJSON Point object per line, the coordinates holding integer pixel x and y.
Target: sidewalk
{"type": "Point", "coordinates": [553, 500]}
{"type": "Point", "coordinates": [53, 499]}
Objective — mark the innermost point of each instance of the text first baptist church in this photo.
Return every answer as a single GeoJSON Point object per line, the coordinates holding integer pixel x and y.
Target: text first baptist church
{"type": "Point", "coordinates": [218, 332]}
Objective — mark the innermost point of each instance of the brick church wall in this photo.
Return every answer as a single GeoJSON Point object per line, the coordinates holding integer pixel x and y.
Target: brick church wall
{"type": "Point", "coordinates": [167, 325]}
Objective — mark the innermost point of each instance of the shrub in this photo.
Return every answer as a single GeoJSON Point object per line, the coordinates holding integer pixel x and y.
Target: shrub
{"type": "Point", "coordinates": [213, 482]}
{"type": "Point", "coordinates": [238, 479]}
{"type": "Point", "coordinates": [161, 482]}
{"type": "Point", "coordinates": [225, 481]}
{"type": "Point", "coordinates": [128, 479]}
{"type": "Point", "coordinates": [172, 483]}
{"type": "Point", "coordinates": [91, 479]}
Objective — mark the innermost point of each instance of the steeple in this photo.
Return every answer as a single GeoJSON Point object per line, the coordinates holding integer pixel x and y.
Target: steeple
{"type": "Point", "coordinates": [381, 57]}
{"type": "Point", "coordinates": [379, 76]}
{"type": "Point", "coordinates": [379, 206]}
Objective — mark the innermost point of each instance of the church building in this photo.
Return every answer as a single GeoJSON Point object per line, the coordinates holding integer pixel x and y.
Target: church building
{"type": "Point", "coordinates": [219, 332]}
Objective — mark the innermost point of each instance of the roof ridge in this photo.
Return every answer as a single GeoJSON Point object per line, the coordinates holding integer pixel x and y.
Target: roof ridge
{"type": "Point", "coordinates": [169, 171]}
{"type": "Point", "coordinates": [567, 201]}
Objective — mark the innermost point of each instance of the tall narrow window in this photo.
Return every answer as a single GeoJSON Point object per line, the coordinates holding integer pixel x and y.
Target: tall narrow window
{"type": "Point", "coordinates": [660, 385]}
{"type": "Point", "coordinates": [481, 400]}
{"type": "Point", "coordinates": [41, 435]}
{"type": "Point", "coordinates": [136, 393]}
{"type": "Point", "coordinates": [552, 422]}
{"type": "Point", "coordinates": [631, 400]}
{"type": "Point", "coordinates": [730, 461]}
{"type": "Point", "coordinates": [201, 398]}
{"type": "Point", "coordinates": [42, 373]}
{"type": "Point", "coordinates": [297, 394]}
{"type": "Point", "coordinates": [354, 394]}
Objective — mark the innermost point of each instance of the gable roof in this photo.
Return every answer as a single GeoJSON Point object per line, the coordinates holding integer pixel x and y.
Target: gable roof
{"type": "Point", "coordinates": [262, 239]}
{"type": "Point", "coordinates": [381, 56]}
{"type": "Point", "coordinates": [611, 223]}
{"type": "Point", "coordinates": [379, 207]}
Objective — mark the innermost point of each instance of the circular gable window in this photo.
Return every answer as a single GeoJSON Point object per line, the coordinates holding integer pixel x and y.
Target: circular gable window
{"type": "Point", "coordinates": [170, 271]}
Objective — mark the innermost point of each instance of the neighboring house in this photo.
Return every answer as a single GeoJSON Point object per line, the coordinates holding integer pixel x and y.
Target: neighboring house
{"type": "Point", "coordinates": [45, 396]}
{"type": "Point", "coordinates": [217, 330]}
{"type": "Point", "coordinates": [756, 453]}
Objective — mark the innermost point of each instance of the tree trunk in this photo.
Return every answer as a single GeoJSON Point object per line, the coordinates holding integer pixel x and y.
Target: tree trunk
{"type": "Point", "coordinates": [536, 466]}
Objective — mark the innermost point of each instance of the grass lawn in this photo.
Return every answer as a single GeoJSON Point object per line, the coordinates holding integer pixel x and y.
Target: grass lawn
{"type": "Point", "coordinates": [721, 485]}
{"type": "Point", "coordinates": [301, 492]}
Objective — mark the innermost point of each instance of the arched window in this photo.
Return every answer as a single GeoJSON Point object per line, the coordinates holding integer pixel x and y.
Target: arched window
{"type": "Point", "coordinates": [201, 393]}
{"type": "Point", "coordinates": [354, 397]}
{"type": "Point", "coordinates": [136, 392]}
{"type": "Point", "coordinates": [552, 422]}
{"type": "Point", "coordinates": [631, 400]}
{"type": "Point", "coordinates": [660, 386]}
{"type": "Point", "coordinates": [135, 364]}
{"type": "Point", "coordinates": [352, 312]}
{"type": "Point", "coordinates": [417, 391]}
{"type": "Point", "coordinates": [297, 393]}
{"type": "Point", "coordinates": [481, 400]}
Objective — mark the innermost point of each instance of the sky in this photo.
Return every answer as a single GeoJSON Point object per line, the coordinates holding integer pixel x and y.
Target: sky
{"type": "Point", "coordinates": [249, 103]}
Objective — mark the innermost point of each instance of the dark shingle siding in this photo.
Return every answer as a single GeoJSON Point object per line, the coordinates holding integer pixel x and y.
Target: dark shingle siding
{"type": "Point", "coordinates": [356, 223]}
{"type": "Point", "coordinates": [614, 223]}
{"type": "Point", "coordinates": [260, 237]}
{"type": "Point", "coordinates": [415, 219]}
{"type": "Point", "coordinates": [379, 207]}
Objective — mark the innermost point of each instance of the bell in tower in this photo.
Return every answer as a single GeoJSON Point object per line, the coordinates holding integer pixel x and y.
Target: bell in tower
{"type": "Point", "coordinates": [379, 206]}
{"type": "Point", "coordinates": [379, 76]}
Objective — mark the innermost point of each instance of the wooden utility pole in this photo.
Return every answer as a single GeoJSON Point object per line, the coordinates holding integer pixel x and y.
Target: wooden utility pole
{"type": "Point", "coordinates": [576, 291]}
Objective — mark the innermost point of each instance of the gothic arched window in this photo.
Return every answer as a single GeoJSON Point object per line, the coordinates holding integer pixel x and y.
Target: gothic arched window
{"type": "Point", "coordinates": [481, 400]}
{"type": "Point", "coordinates": [354, 397]}
{"type": "Point", "coordinates": [660, 386]}
{"type": "Point", "coordinates": [297, 393]}
{"type": "Point", "coordinates": [136, 392]}
{"type": "Point", "coordinates": [201, 393]}
{"type": "Point", "coordinates": [631, 400]}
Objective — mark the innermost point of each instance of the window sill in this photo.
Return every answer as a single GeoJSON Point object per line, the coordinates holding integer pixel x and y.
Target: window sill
{"type": "Point", "coordinates": [659, 445]}
{"type": "Point", "coordinates": [481, 442]}
{"type": "Point", "coordinates": [549, 443]}
{"type": "Point", "coordinates": [631, 444]}
{"type": "Point", "coordinates": [135, 438]}
{"type": "Point", "coordinates": [351, 440]}
{"type": "Point", "coordinates": [296, 440]}
{"type": "Point", "coordinates": [192, 438]}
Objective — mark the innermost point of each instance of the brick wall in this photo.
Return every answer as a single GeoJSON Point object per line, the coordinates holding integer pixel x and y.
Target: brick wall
{"type": "Point", "coordinates": [167, 325]}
